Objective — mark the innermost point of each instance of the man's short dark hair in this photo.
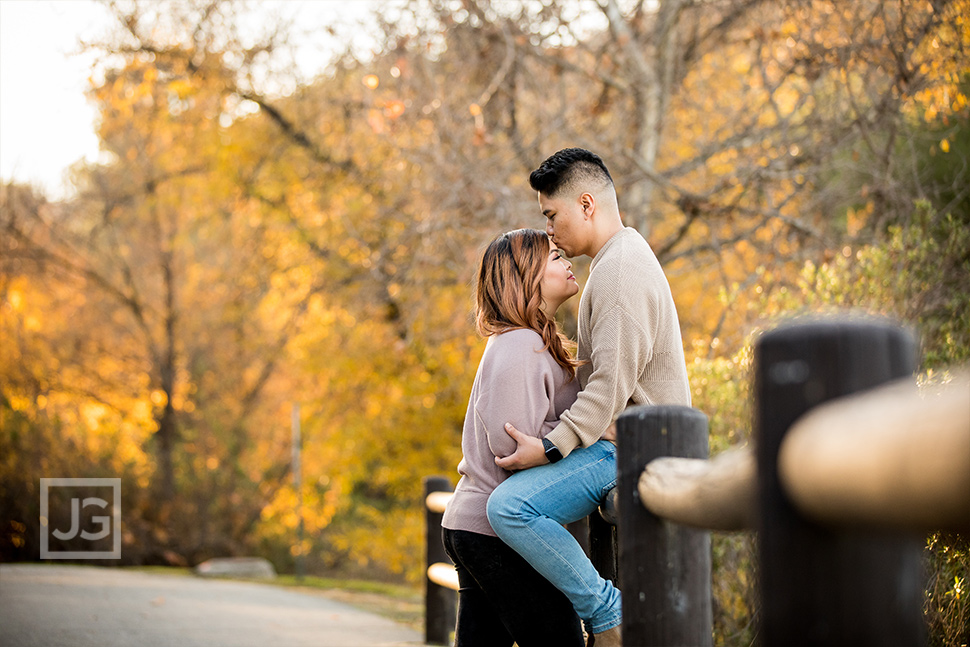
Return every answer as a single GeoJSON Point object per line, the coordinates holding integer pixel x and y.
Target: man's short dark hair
{"type": "Point", "coordinates": [568, 168]}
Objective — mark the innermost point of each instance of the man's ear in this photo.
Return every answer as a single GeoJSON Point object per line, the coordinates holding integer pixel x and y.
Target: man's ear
{"type": "Point", "coordinates": [588, 203]}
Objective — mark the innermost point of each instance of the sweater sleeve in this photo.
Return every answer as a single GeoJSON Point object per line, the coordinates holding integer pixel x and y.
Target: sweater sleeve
{"type": "Point", "coordinates": [619, 348]}
{"type": "Point", "coordinates": [517, 387]}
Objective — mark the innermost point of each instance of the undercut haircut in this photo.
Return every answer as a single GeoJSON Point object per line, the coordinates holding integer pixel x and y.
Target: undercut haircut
{"type": "Point", "coordinates": [569, 170]}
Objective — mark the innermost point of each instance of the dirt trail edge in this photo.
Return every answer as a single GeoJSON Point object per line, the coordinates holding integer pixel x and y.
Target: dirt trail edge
{"type": "Point", "coordinates": [78, 606]}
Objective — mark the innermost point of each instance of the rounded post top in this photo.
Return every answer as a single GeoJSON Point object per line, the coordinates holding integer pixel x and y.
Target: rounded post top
{"type": "Point", "coordinates": [849, 325]}
{"type": "Point", "coordinates": [647, 411]}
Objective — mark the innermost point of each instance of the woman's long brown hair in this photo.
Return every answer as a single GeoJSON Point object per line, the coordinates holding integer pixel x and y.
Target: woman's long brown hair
{"type": "Point", "coordinates": [508, 294]}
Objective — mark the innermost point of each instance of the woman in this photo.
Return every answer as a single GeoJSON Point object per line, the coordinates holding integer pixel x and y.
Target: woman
{"type": "Point", "coordinates": [526, 377]}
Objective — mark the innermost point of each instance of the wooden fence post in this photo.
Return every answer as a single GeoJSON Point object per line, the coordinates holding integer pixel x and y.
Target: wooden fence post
{"type": "Point", "coordinates": [602, 546]}
{"type": "Point", "coordinates": [665, 568]}
{"type": "Point", "coordinates": [439, 602]}
{"type": "Point", "coordinates": [580, 532]}
{"type": "Point", "coordinates": [820, 585]}
{"type": "Point", "coordinates": [602, 538]}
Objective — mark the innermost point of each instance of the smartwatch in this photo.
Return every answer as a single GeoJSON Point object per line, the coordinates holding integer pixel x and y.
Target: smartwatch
{"type": "Point", "coordinates": [552, 452]}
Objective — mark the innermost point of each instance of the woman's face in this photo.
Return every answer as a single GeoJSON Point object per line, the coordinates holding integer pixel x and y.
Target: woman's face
{"type": "Point", "coordinates": [558, 282]}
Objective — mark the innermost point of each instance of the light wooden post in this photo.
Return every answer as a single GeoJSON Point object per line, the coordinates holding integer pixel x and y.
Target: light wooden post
{"type": "Point", "coordinates": [298, 488]}
{"type": "Point", "coordinates": [665, 568]}
{"type": "Point", "coordinates": [826, 585]}
{"type": "Point", "coordinates": [439, 601]}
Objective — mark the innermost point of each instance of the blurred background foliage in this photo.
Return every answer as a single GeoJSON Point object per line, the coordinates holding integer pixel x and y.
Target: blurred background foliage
{"type": "Point", "coordinates": [255, 239]}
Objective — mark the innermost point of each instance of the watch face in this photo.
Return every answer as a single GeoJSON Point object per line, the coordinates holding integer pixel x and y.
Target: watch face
{"type": "Point", "coordinates": [552, 452]}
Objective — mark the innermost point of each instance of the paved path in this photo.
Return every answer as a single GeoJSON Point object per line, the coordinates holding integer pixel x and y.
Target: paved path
{"type": "Point", "coordinates": [79, 606]}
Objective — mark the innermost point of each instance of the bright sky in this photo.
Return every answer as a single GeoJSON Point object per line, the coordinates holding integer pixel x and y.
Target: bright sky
{"type": "Point", "coordinates": [46, 123]}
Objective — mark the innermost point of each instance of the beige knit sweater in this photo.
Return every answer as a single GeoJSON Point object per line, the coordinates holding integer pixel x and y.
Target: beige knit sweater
{"type": "Point", "coordinates": [629, 335]}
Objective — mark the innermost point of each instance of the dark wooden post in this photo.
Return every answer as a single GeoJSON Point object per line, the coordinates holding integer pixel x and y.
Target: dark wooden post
{"type": "Point", "coordinates": [665, 568]}
{"type": "Point", "coordinates": [439, 602]}
{"type": "Point", "coordinates": [580, 532]}
{"type": "Point", "coordinates": [602, 546]}
{"type": "Point", "coordinates": [602, 538]}
{"type": "Point", "coordinates": [828, 586]}
{"type": "Point", "coordinates": [596, 534]}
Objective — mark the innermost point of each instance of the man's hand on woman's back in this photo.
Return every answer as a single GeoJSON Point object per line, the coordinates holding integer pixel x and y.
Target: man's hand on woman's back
{"type": "Point", "coordinates": [529, 452]}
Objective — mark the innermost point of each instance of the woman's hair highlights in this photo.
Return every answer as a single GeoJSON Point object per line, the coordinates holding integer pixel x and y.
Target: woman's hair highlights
{"type": "Point", "coordinates": [508, 294]}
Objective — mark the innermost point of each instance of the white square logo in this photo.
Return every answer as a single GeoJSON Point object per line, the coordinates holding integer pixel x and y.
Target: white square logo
{"type": "Point", "coordinates": [92, 517]}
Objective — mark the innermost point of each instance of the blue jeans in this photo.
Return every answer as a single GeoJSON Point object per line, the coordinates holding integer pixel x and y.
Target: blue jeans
{"type": "Point", "coordinates": [528, 511]}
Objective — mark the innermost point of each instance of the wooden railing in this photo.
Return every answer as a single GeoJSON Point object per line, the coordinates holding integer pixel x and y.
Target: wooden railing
{"type": "Point", "coordinates": [851, 467]}
{"type": "Point", "coordinates": [442, 580]}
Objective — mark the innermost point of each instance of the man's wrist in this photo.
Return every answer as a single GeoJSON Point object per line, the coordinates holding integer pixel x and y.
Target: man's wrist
{"type": "Point", "coordinates": [552, 452]}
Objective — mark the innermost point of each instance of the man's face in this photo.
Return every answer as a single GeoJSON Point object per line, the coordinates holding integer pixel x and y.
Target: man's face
{"type": "Point", "coordinates": [565, 223]}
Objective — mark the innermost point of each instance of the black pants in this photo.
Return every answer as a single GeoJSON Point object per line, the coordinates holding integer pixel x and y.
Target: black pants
{"type": "Point", "coordinates": [502, 599]}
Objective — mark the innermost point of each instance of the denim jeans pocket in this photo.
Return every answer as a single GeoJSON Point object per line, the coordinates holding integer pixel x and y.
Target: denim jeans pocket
{"type": "Point", "coordinates": [609, 483]}
{"type": "Point", "coordinates": [607, 488]}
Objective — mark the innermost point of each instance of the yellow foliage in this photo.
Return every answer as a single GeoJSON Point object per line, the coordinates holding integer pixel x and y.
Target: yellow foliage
{"type": "Point", "coordinates": [323, 271]}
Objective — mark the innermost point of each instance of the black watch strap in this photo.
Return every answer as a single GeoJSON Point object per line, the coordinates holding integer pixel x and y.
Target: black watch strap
{"type": "Point", "coordinates": [552, 452]}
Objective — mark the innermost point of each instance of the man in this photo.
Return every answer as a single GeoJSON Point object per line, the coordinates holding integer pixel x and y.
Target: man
{"type": "Point", "coordinates": [632, 353]}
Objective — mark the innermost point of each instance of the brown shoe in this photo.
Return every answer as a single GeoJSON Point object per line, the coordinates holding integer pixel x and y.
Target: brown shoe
{"type": "Point", "coordinates": [608, 638]}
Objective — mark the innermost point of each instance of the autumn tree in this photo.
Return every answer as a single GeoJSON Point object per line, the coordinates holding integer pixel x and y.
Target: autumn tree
{"type": "Point", "coordinates": [184, 312]}
{"type": "Point", "coordinates": [262, 236]}
{"type": "Point", "coordinates": [729, 126]}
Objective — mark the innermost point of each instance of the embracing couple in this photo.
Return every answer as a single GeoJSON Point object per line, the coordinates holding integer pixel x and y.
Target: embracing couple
{"type": "Point", "coordinates": [538, 442]}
